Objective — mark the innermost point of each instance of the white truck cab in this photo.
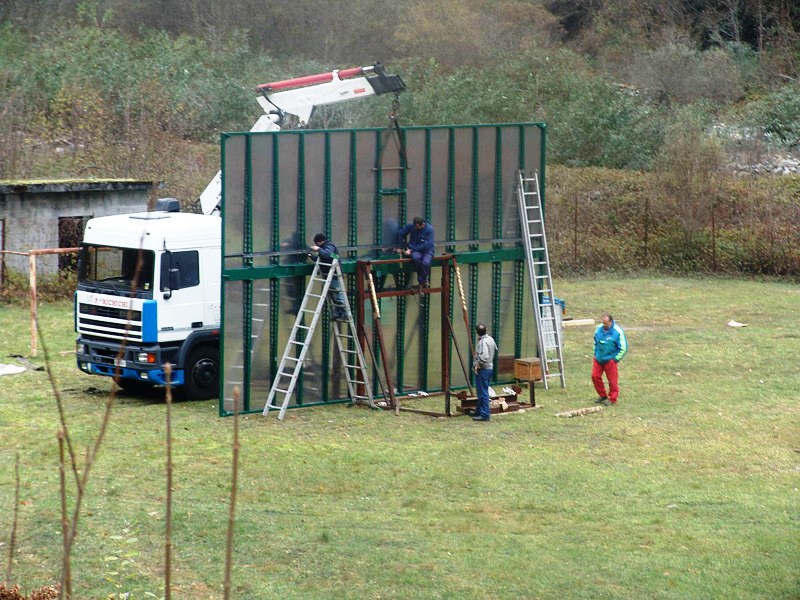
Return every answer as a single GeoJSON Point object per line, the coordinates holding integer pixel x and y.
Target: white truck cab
{"type": "Point", "coordinates": [149, 294]}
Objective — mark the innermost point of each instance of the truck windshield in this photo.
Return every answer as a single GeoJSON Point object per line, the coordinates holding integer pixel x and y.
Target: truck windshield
{"type": "Point", "coordinates": [119, 271]}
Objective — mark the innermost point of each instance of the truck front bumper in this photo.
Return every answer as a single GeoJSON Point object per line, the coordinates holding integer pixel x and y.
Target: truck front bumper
{"type": "Point", "coordinates": [140, 363]}
{"type": "Point", "coordinates": [154, 376]}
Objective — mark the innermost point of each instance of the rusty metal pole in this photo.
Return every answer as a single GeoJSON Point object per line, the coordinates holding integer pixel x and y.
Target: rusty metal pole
{"type": "Point", "coordinates": [458, 351]}
{"type": "Point", "coordinates": [376, 315]}
{"type": "Point", "coordinates": [32, 285]}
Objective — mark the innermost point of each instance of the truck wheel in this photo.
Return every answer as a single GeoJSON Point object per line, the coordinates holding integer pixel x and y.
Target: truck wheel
{"type": "Point", "coordinates": [201, 373]}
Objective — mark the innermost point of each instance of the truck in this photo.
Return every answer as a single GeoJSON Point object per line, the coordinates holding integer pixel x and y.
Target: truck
{"type": "Point", "coordinates": [149, 283]}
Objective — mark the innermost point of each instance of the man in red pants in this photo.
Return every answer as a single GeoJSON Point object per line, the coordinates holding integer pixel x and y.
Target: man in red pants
{"type": "Point", "coordinates": [610, 346]}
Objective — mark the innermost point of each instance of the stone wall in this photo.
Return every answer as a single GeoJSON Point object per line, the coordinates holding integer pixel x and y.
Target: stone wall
{"type": "Point", "coordinates": [30, 213]}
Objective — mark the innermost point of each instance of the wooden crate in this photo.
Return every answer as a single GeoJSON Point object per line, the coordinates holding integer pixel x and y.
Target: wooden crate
{"type": "Point", "coordinates": [528, 369]}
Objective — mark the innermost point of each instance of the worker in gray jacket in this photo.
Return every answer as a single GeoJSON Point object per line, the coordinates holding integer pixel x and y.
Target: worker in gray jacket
{"type": "Point", "coordinates": [485, 351]}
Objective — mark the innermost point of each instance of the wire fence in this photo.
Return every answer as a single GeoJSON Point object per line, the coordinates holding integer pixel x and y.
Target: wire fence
{"type": "Point", "coordinates": [746, 234]}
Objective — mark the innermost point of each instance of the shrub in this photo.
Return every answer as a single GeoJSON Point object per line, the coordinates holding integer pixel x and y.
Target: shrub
{"type": "Point", "coordinates": [16, 288]}
{"type": "Point", "coordinates": [778, 115]}
{"type": "Point", "coordinates": [607, 220]}
{"type": "Point", "coordinates": [677, 73]}
{"type": "Point", "coordinates": [603, 126]}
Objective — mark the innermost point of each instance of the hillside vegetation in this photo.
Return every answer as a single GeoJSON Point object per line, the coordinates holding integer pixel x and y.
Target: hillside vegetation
{"type": "Point", "coordinates": [668, 92]}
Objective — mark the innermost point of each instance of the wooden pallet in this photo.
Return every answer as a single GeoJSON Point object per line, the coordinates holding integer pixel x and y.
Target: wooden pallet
{"type": "Point", "coordinates": [503, 403]}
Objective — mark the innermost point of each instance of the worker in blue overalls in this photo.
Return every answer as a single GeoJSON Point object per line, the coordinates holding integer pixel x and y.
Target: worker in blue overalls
{"type": "Point", "coordinates": [420, 248]}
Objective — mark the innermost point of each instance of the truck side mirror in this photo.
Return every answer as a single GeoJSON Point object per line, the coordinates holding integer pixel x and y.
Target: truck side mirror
{"type": "Point", "coordinates": [174, 281]}
{"type": "Point", "coordinates": [175, 278]}
{"type": "Point", "coordinates": [170, 275]}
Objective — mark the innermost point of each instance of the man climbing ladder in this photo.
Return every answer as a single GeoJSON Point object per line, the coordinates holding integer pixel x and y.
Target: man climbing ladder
{"type": "Point", "coordinates": [326, 252]}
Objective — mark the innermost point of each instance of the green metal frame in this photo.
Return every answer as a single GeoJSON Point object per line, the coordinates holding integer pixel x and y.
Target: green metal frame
{"type": "Point", "coordinates": [261, 181]}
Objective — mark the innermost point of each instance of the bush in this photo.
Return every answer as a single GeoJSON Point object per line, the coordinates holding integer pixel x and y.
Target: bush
{"type": "Point", "coordinates": [16, 287]}
{"type": "Point", "coordinates": [677, 73]}
{"type": "Point", "coordinates": [778, 115]}
{"type": "Point", "coordinates": [591, 122]}
{"type": "Point", "coordinates": [607, 220]}
{"type": "Point", "coordinates": [603, 126]}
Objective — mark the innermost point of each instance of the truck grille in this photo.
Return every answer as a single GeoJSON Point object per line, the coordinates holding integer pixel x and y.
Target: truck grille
{"type": "Point", "coordinates": [109, 312]}
{"type": "Point", "coordinates": [108, 322]}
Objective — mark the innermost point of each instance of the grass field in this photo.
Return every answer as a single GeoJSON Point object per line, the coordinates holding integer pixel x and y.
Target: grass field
{"type": "Point", "coordinates": [687, 489]}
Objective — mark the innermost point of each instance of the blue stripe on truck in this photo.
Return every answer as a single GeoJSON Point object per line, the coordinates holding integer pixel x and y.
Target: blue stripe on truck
{"type": "Point", "coordinates": [149, 322]}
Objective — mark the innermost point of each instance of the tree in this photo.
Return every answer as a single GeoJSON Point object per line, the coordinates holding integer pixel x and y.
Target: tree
{"type": "Point", "coordinates": [474, 32]}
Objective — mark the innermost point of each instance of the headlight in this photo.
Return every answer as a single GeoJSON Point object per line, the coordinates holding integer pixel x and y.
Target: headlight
{"type": "Point", "coordinates": [80, 349]}
{"type": "Point", "coordinates": [146, 357]}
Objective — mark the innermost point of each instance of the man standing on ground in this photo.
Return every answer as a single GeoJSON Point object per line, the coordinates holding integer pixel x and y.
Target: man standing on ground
{"type": "Point", "coordinates": [485, 351]}
{"type": "Point", "coordinates": [326, 252]}
{"type": "Point", "coordinates": [610, 346]}
{"type": "Point", "coordinates": [420, 248]}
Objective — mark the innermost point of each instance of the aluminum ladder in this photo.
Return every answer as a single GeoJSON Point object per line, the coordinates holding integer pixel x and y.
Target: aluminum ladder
{"type": "Point", "coordinates": [548, 326]}
{"type": "Point", "coordinates": [352, 357]}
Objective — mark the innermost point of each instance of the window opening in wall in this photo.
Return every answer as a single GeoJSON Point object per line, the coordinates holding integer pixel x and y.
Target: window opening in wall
{"type": "Point", "coordinates": [70, 234]}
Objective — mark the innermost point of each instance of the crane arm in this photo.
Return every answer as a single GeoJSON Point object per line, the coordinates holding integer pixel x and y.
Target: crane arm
{"type": "Point", "coordinates": [300, 96]}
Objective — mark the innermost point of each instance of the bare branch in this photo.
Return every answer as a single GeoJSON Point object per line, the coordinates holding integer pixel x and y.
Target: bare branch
{"type": "Point", "coordinates": [66, 573]}
{"type": "Point", "coordinates": [13, 541]}
{"type": "Point", "coordinates": [59, 401]}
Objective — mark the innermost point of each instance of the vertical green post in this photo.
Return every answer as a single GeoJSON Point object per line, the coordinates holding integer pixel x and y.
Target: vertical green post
{"type": "Point", "coordinates": [474, 281]}
{"type": "Point", "coordinates": [519, 267]}
{"type": "Point", "coordinates": [247, 262]}
{"type": "Point", "coordinates": [451, 189]}
{"type": "Point", "coordinates": [543, 145]}
{"type": "Point", "coordinates": [497, 232]}
{"type": "Point", "coordinates": [352, 200]}
{"type": "Point", "coordinates": [519, 303]}
{"type": "Point", "coordinates": [328, 229]}
{"type": "Point", "coordinates": [499, 176]}
{"type": "Point", "coordinates": [327, 192]}
{"type": "Point", "coordinates": [274, 288]}
{"type": "Point", "coordinates": [377, 228]}
{"type": "Point", "coordinates": [352, 197]}
{"type": "Point", "coordinates": [426, 199]}
{"type": "Point", "coordinates": [223, 304]}
{"type": "Point", "coordinates": [474, 223]}
{"type": "Point", "coordinates": [474, 272]}
{"type": "Point", "coordinates": [301, 218]}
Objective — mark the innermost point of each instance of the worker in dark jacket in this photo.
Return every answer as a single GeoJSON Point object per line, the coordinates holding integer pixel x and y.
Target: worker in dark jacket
{"type": "Point", "coordinates": [326, 252]}
{"type": "Point", "coordinates": [420, 248]}
{"type": "Point", "coordinates": [610, 345]}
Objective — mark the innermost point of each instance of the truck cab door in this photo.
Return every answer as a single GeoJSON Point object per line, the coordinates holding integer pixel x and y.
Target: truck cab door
{"type": "Point", "coordinates": [182, 300]}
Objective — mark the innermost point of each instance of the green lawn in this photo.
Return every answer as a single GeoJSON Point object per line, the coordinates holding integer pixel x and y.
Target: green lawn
{"type": "Point", "coordinates": [687, 489]}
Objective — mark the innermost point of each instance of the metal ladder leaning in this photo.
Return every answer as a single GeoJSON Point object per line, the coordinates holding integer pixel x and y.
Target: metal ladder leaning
{"type": "Point", "coordinates": [352, 357]}
{"type": "Point", "coordinates": [548, 331]}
